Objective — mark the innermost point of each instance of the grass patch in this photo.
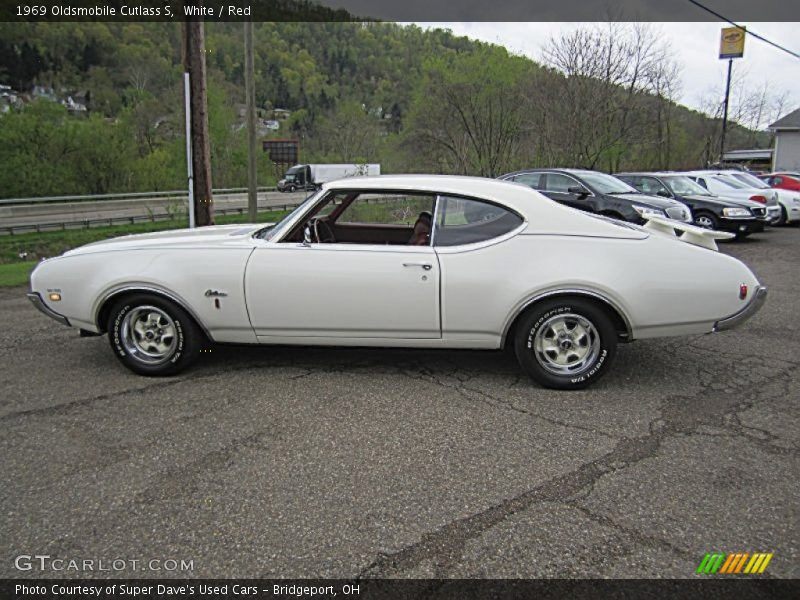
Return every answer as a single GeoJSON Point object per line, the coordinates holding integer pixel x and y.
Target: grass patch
{"type": "Point", "coordinates": [28, 247]}
{"type": "Point", "coordinates": [15, 273]}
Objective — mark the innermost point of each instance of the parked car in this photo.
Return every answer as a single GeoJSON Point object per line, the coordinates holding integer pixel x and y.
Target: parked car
{"type": "Point", "coordinates": [784, 181]}
{"type": "Point", "coordinates": [404, 261]}
{"type": "Point", "coordinates": [596, 192]}
{"type": "Point", "coordinates": [741, 217]}
{"type": "Point", "coordinates": [789, 201]}
{"type": "Point", "coordinates": [723, 185]}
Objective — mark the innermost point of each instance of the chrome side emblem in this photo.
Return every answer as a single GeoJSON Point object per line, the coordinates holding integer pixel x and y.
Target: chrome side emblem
{"type": "Point", "coordinates": [218, 293]}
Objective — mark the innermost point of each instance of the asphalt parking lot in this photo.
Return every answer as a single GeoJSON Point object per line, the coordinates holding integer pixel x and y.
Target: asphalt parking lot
{"type": "Point", "coordinates": [298, 462]}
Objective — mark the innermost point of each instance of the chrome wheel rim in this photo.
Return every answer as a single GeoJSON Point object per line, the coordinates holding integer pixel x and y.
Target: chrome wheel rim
{"type": "Point", "coordinates": [704, 222]}
{"type": "Point", "coordinates": [566, 344]}
{"type": "Point", "coordinates": [149, 334]}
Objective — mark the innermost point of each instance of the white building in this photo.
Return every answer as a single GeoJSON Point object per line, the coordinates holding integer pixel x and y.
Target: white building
{"type": "Point", "coordinates": [786, 156]}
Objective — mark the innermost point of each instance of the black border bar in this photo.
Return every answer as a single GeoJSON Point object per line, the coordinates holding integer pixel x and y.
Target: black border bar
{"type": "Point", "coordinates": [705, 587]}
{"type": "Point", "coordinates": [399, 10]}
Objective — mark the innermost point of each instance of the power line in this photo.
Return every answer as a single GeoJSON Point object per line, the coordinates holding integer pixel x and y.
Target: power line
{"type": "Point", "coordinates": [748, 31]}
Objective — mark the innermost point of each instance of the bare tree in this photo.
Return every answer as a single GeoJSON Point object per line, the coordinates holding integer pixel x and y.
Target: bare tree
{"type": "Point", "coordinates": [607, 72]}
{"type": "Point", "coordinates": [753, 107]}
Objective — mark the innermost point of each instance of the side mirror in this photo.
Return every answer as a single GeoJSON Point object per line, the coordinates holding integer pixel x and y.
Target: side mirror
{"type": "Point", "coordinates": [578, 190]}
{"type": "Point", "coordinates": [307, 235]}
{"type": "Point", "coordinates": [664, 193]}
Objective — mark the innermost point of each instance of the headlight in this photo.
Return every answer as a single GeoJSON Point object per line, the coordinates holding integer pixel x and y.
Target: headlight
{"type": "Point", "coordinates": [736, 212]}
{"type": "Point", "coordinates": [646, 210]}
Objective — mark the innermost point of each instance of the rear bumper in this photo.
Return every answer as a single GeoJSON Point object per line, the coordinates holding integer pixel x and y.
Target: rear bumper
{"type": "Point", "coordinates": [37, 301]}
{"type": "Point", "coordinates": [773, 213]}
{"type": "Point", "coordinates": [755, 304]}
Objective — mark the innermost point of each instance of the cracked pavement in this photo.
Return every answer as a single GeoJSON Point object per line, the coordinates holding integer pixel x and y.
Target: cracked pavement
{"type": "Point", "coordinates": [314, 462]}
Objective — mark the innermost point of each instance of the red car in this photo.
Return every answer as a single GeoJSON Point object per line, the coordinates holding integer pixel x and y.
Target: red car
{"type": "Point", "coordinates": [784, 181]}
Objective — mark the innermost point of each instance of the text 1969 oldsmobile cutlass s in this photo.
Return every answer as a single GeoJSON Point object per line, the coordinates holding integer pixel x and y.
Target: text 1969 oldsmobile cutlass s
{"type": "Point", "coordinates": [408, 261]}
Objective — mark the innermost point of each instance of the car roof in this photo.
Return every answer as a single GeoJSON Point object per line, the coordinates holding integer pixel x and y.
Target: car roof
{"type": "Point", "coordinates": [542, 213]}
{"type": "Point", "coordinates": [654, 173]}
{"type": "Point", "coordinates": [516, 196]}
{"type": "Point", "coordinates": [553, 170]}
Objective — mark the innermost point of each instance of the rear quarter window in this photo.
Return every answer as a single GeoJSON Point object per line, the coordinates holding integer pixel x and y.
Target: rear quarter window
{"type": "Point", "coordinates": [466, 221]}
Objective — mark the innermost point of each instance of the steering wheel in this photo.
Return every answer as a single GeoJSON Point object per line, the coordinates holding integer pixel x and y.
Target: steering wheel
{"type": "Point", "coordinates": [323, 234]}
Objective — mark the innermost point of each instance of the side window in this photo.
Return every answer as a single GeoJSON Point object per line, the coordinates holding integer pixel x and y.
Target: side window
{"type": "Point", "coordinates": [531, 179]}
{"type": "Point", "coordinates": [631, 180]}
{"type": "Point", "coordinates": [464, 221]}
{"type": "Point", "coordinates": [386, 209]}
{"type": "Point", "coordinates": [701, 181]}
{"type": "Point", "coordinates": [556, 182]}
{"type": "Point", "coordinates": [650, 185]}
{"type": "Point", "coordinates": [776, 181]}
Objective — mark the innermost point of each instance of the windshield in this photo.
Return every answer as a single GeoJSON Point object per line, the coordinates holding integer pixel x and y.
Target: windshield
{"type": "Point", "coordinates": [268, 232]}
{"type": "Point", "coordinates": [750, 180]}
{"type": "Point", "coordinates": [683, 186]}
{"type": "Point", "coordinates": [606, 184]}
{"type": "Point", "coordinates": [731, 182]}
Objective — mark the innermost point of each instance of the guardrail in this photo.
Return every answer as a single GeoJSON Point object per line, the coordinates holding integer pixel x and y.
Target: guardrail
{"type": "Point", "coordinates": [130, 220]}
{"type": "Point", "coordinates": [120, 196]}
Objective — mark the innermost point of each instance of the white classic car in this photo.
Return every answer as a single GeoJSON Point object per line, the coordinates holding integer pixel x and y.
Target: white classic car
{"type": "Point", "coordinates": [410, 261]}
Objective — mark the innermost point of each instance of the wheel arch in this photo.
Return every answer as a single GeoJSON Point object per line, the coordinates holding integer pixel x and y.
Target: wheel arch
{"type": "Point", "coordinates": [112, 296]}
{"type": "Point", "coordinates": [618, 317]}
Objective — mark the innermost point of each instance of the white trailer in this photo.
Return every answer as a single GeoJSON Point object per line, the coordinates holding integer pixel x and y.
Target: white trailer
{"type": "Point", "coordinates": [309, 177]}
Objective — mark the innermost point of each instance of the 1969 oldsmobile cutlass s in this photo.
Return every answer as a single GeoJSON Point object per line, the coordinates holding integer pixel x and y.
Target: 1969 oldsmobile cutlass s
{"type": "Point", "coordinates": [411, 261]}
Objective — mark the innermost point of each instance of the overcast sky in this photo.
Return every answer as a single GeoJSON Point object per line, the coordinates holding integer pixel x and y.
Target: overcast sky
{"type": "Point", "coordinates": [696, 47]}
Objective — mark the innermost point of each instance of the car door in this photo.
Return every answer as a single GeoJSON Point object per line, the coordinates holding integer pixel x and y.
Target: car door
{"type": "Point", "coordinates": [372, 290]}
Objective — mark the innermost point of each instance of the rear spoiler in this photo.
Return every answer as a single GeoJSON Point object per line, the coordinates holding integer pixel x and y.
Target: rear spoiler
{"type": "Point", "coordinates": [692, 234]}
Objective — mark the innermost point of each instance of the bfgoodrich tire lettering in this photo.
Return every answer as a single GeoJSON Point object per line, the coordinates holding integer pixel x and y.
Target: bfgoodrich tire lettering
{"type": "Point", "coordinates": [566, 344]}
{"type": "Point", "coordinates": [151, 335]}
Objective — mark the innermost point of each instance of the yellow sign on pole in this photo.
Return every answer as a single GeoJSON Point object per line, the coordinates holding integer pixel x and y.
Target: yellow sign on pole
{"type": "Point", "coordinates": [731, 43]}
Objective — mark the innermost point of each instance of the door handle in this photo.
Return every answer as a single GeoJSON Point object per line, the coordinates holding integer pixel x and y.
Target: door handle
{"type": "Point", "coordinates": [424, 265]}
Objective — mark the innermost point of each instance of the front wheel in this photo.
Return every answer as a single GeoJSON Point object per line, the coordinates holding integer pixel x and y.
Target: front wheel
{"type": "Point", "coordinates": [151, 335]}
{"type": "Point", "coordinates": [706, 220]}
{"type": "Point", "coordinates": [783, 218]}
{"type": "Point", "coordinates": [566, 344]}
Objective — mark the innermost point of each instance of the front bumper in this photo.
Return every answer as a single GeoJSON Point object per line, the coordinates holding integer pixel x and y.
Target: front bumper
{"type": "Point", "coordinates": [741, 225]}
{"type": "Point", "coordinates": [755, 304]}
{"type": "Point", "coordinates": [37, 301]}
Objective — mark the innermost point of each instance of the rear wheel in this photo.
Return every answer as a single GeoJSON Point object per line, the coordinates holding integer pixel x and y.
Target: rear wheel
{"type": "Point", "coordinates": [151, 335]}
{"type": "Point", "coordinates": [566, 344]}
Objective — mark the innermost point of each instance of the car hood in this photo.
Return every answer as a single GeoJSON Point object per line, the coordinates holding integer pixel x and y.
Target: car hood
{"type": "Point", "coordinates": [719, 201]}
{"type": "Point", "coordinates": [653, 201]}
{"type": "Point", "coordinates": [218, 235]}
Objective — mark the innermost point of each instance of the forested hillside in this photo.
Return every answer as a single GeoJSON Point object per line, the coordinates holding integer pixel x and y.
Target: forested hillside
{"type": "Point", "coordinates": [97, 107]}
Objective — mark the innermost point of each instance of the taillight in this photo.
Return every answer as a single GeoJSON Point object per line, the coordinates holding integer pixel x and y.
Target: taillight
{"type": "Point", "coordinates": [743, 291]}
{"type": "Point", "coordinates": [761, 199]}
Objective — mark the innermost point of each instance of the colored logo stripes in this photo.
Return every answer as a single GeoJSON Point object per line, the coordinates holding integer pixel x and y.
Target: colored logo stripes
{"type": "Point", "coordinates": [734, 563]}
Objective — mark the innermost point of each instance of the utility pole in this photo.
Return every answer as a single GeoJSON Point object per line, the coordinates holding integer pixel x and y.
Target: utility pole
{"type": "Point", "coordinates": [250, 92]}
{"type": "Point", "coordinates": [731, 45]}
{"type": "Point", "coordinates": [194, 63]}
{"type": "Point", "coordinates": [725, 113]}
